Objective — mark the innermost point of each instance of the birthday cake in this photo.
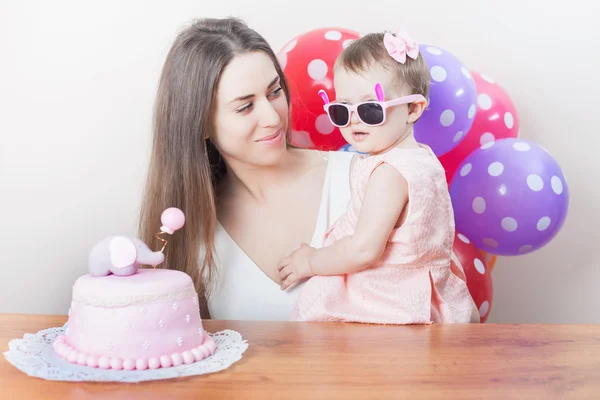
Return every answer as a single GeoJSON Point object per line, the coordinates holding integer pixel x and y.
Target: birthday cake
{"type": "Point", "coordinates": [124, 317]}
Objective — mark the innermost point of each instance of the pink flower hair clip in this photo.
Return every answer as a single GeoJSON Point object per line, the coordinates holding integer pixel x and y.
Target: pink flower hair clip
{"type": "Point", "coordinates": [400, 45]}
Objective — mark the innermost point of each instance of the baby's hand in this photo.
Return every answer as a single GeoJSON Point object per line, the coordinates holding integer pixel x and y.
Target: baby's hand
{"type": "Point", "coordinates": [295, 266]}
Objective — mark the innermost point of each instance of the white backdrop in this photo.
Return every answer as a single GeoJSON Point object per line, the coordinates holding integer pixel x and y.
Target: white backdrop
{"type": "Point", "coordinates": [77, 85]}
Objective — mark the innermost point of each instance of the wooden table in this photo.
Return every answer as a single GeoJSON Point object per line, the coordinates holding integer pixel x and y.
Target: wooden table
{"type": "Point", "coordinates": [342, 361]}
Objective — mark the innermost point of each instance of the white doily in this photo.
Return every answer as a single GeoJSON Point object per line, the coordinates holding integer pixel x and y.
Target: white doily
{"type": "Point", "coordinates": [35, 356]}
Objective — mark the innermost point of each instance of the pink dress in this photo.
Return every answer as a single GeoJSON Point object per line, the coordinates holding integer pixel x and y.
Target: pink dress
{"type": "Point", "coordinates": [416, 281]}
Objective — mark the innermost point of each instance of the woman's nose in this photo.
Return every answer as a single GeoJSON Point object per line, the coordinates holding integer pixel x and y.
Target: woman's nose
{"type": "Point", "coordinates": [269, 115]}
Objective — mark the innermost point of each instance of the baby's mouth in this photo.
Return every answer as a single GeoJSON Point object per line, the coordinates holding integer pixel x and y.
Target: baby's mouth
{"type": "Point", "coordinates": [358, 136]}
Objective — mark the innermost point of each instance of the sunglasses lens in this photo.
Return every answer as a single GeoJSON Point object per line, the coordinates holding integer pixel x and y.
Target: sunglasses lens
{"type": "Point", "coordinates": [370, 113]}
{"type": "Point", "coordinates": [338, 114]}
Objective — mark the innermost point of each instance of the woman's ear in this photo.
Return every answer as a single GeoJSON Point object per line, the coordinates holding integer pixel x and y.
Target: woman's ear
{"type": "Point", "coordinates": [415, 110]}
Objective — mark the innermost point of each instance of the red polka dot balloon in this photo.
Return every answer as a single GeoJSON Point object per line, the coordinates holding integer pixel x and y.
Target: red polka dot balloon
{"type": "Point", "coordinates": [496, 118]}
{"type": "Point", "coordinates": [479, 278]}
{"type": "Point", "coordinates": [307, 61]}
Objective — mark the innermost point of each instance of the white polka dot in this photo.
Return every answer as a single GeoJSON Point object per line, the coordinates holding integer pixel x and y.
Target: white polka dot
{"type": "Point", "coordinates": [509, 224]}
{"type": "Point", "coordinates": [487, 145]}
{"type": "Point", "coordinates": [434, 50]}
{"type": "Point", "coordinates": [479, 266]}
{"type": "Point", "coordinates": [479, 205]}
{"type": "Point", "coordinates": [486, 138]}
{"type": "Point", "coordinates": [347, 42]}
{"type": "Point", "coordinates": [288, 47]}
{"type": "Point", "coordinates": [464, 171]}
{"type": "Point", "coordinates": [484, 101]}
{"type": "Point", "coordinates": [509, 120]}
{"type": "Point", "coordinates": [486, 78]}
{"type": "Point", "coordinates": [317, 69]}
{"type": "Point", "coordinates": [490, 242]}
{"type": "Point", "coordinates": [333, 35]}
{"type": "Point", "coordinates": [525, 249]}
{"type": "Point", "coordinates": [463, 238]}
{"type": "Point", "coordinates": [282, 57]}
{"type": "Point", "coordinates": [324, 125]}
{"type": "Point", "coordinates": [447, 118]}
{"type": "Point", "coordinates": [466, 73]}
{"type": "Point", "coordinates": [301, 139]}
{"type": "Point", "coordinates": [557, 185]}
{"type": "Point", "coordinates": [472, 111]}
{"type": "Point", "coordinates": [535, 182]}
{"type": "Point", "coordinates": [458, 136]}
{"type": "Point", "coordinates": [438, 73]}
{"type": "Point", "coordinates": [543, 223]}
{"type": "Point", "coordinates": [521, 146]}
{"type": "Point", "coordinates": [484, 309]}
{"type": "Point", "coordinates": [496, 168]}
{"type": "Point", "coordinates": [502, 190]}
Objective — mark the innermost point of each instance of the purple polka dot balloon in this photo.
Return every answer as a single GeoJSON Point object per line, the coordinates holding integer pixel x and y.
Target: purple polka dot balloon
{"type": "Point", "coordinates": [510, 197]}
{"type": "Point", "coordinates": [452, 101]}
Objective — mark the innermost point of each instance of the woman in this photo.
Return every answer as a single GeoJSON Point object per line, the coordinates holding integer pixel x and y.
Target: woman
{"type": "Point", "coordinates": [221, 154]}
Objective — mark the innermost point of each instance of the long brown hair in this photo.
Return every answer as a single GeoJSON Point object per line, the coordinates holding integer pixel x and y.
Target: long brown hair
{"type": "Point", "coordinates": [185, 167]}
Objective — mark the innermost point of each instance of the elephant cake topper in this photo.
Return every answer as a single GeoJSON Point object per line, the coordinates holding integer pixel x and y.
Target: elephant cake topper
{"type": "Point", "coordinates": [122, 255]}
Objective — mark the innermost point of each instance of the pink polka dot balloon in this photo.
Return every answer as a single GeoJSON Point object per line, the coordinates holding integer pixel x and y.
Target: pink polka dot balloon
{"type": "Point", "coordinates": [510, 197]}
{"type": "Point", "coordinates": [452, 98]}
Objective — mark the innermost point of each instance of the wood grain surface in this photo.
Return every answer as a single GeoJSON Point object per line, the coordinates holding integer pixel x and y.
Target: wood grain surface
{"type": "Point", "coordinates": [343, 361]}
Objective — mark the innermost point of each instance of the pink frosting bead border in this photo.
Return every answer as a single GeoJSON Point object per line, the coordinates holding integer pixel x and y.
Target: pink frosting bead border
{"type": "Point", "coordinates": [72, 355]}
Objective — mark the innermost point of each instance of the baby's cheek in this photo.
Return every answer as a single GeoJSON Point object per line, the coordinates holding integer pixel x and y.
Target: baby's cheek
{"type": "Point", "coordinates": [388, 131]}
{"type": "Point", "coordinates": [397, 116]}
{"type": "Point", "coordinates": [347, 134]}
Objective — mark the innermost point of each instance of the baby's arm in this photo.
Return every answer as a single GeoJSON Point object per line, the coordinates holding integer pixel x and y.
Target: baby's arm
{"type": "Point", "coordinates": [385, 197]}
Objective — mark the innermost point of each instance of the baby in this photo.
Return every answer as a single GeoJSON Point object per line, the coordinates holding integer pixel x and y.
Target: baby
{"type": "Point", "coordinates": [389, 258]}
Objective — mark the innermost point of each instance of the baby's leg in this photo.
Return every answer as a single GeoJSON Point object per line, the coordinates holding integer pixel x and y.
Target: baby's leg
{"type": "Point", "coordinates": [317, 298]}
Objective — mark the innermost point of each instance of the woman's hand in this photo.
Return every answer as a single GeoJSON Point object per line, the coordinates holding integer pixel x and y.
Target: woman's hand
{"type": "Point", "coordinates": [296, 266]}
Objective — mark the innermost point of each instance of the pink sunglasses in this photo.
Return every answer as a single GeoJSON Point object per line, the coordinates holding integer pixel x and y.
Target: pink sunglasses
{"type": "Point", "coordinates": [371, 113]}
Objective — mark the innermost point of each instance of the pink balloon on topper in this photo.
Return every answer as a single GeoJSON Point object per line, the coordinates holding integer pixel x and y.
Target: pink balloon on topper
{"type": "Point", "coordinates": [172, 220]}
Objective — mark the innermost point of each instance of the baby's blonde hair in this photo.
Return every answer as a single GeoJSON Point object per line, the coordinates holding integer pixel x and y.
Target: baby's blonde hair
{"type": "Point", "coordinates": [370, 48]}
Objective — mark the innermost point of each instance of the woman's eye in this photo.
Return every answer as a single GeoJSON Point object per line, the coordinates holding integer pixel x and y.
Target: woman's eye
{"type": "Point", "coordinates": [244, 109]}
{"type": "Point", "coordinates": [277, 92]}
{"type": "Point", "coordinates": [247, 107]}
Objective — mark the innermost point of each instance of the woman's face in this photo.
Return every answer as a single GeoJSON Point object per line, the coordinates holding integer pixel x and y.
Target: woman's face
{"type": "Point", "coordinates": [251, 113]}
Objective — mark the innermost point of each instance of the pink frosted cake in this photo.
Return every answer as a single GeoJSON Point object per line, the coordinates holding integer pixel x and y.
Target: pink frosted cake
{"type": "Point", "coordinates": [123, 317]}
{"type": "Point", "coordinates": [147, 320]}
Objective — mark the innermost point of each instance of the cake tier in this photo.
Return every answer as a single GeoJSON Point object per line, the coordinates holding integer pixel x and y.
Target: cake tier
{"type": "Point", "coordinates": [148, 319]}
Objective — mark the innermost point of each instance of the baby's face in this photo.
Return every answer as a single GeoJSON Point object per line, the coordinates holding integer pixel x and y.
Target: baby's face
{"type": "Point", "coordinates": [355, 88]}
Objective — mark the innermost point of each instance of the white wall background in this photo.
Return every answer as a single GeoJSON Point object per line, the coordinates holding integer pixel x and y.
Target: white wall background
{"type": "Point", "coordinates": [77, 85]}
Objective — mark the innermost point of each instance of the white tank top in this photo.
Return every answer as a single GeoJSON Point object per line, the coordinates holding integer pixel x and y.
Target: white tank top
{"type": "Point", "coordinates": [242, 291]}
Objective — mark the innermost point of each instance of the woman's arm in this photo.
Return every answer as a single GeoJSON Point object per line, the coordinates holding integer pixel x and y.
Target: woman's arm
{"type": "Point", "coordinates": [385, 197]}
